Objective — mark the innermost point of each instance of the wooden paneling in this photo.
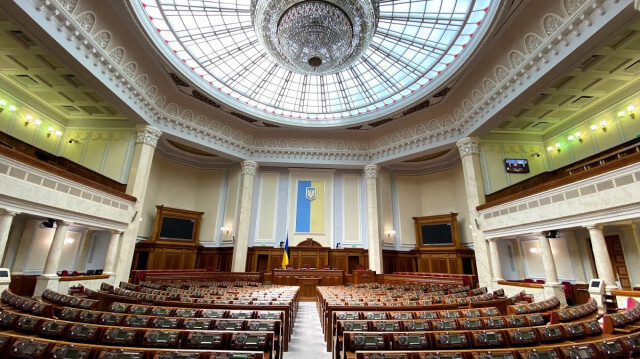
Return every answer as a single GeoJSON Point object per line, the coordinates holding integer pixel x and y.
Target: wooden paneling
{"type": "Point", "coordinates": [215, 258]}
{"type": "Point", "coordinates": [307, 279]}
{"type": "Point", "coordinates": [165, 256]}
{"type": "Point", "coordinates": [261, 259]}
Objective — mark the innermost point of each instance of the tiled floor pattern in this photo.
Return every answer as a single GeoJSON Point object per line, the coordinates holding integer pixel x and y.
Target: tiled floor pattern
{"type": "Point", "coordinates": [307, 341]}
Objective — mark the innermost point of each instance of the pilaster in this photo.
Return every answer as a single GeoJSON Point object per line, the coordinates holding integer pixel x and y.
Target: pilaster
{"type": "Point", "coordinates": [375, 241]}
{"type": "Point", "coordinates": [146, 141]}
{"type": "Point", "coordinates": [469, 148]}
{"type": "Point", "coordinates": [243, 220]}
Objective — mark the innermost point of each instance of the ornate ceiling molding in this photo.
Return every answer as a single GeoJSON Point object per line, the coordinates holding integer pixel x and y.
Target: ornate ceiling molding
{"type": "Point", "coordinates": [96, 49]}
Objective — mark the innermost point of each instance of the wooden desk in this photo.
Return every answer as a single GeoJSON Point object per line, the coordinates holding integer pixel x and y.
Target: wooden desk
{"type": "Point", "coordinates": [307, 279]}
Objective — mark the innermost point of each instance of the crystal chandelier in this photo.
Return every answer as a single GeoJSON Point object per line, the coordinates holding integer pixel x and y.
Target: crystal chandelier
{"type": "Point", "coordinates": [315, 37]}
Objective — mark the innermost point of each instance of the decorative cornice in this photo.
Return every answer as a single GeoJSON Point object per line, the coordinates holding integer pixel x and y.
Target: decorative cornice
{"type": "Point", "coordinates": [95, 50]}
{"type": "Point", "coordinates": [468, 146]}
{"type": "Point", "coordinates": [249, 168]}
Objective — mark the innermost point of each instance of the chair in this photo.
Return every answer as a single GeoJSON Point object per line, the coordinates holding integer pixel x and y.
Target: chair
{"type": "Point", "coordinates": [306, 266]}
{"type": "Point", "coordinates": [288, 266]}
{"type": "Point", "coordinates": [540, 281]}
{"type": "Point", "coordinates": [529, 280]}
{"type": "Point", "coordinates": [64, 273]}
{"type": "Point", "coordinates": [326, 267]}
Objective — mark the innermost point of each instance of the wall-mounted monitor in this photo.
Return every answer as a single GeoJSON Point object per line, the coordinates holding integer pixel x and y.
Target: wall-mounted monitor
{"type": "Point", "coordinates": [177, 228]}
{"type": "Point", "coordinates": [438, 230]}
{"type": "Point", "coordinates": [436, 234]}
{"type": "Point", "coordinates": [516, 165]}
{"type": "Point", "coordinates": [176, 225]}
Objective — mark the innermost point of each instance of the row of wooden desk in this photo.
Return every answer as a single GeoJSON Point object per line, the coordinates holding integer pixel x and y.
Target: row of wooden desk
{"type": "Point", "coordinates": [308, 279]}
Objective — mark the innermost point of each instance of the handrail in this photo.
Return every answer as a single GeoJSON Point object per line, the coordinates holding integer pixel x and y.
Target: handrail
{"type": "Point", "coordinates": [520, 284]}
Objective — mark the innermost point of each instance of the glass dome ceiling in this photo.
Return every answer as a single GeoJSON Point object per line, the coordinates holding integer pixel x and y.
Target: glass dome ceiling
{"type": "Point", "coordinates": [416, 46]}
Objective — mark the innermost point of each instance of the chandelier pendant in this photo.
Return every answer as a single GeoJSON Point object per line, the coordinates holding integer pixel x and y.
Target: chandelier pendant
{"type": "Point", "coordinates": [315, 37]}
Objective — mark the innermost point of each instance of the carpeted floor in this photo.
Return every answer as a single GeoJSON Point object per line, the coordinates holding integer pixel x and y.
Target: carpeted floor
{"type": "Point", "coordinates": [307, 341]}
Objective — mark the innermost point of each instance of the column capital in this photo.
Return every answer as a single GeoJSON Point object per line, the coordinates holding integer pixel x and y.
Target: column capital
{"type": "Point", "coordinates": [371, 171]}
{"type": "Point", "coordinates": [61, 222]}
{"type": "Point", "coordinates": [8, 212]}
{"type": "Point", "coordinates": [594, 226]}
{"type": "Point", "coordinates": [468, 146]}
{"type": "Point", "coordinates": [249, 167]}
{"type": "Point", "coordinates": [147, 135]}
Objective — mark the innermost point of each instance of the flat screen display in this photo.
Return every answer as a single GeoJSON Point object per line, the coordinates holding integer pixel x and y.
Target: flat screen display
{"type": "Point", "coordinates": [436, 234]}
{"type": "Point", "coordinates": [595, 283]}
{"type": "Point", "coordinates": [516, 165]}
{"type": "Point", "coordinates": [177, 228]}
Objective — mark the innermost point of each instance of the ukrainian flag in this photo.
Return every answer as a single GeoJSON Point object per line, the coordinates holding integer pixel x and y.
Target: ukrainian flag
{"type": "Point", "coordinates": [310, 207]}
{"type": "Point", "coordinates": [285, 255]}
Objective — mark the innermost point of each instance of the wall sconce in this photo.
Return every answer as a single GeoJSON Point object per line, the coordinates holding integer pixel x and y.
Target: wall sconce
{"type": "Point", "coordinates": [225, 230]}
{"type": "Point", "coordinates": [577, 136]}
{"type": "Point", "coordinates": [3, 105]}
{"type": "Point", "coordinates": [53, 131]}
{"type": "Point", "coordinates": [390, 233]}
{"type": "Point", "coordinates": [34, 121]}
{"type": "Point", "coordinates": [629, 112]}
{"type": "Point", "coordinates": [73, 140]}
{"type": "Point", "coordinates": [535, 154]}
{"type": "Point", "coordinates": [68, 241]}
{"type": "Point", "coordinates": [603, 125]}
{"type": "Point", "coordinates": [556, 147]}
{"type": "Point", "coordinates": [534, 250]}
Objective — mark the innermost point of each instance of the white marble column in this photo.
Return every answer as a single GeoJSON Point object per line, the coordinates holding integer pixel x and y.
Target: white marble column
{"type": "Point", "coordinates": [146, 141]}
{"type": "Point", "coordinates": [6, 218]}
{"type": "Point", "coordinates": [518, 257]}
{"type": "Point", "coordinates": [574, 253]}
{"type": "Point", "coordinates": [22, 251]}
{"type": "Point", "coordinates": [601, 257]}
{"type": "Point", "coordinates": [243, 218]}
{"type": "Point", "coordinates": [551, 286]}
{"type": "Point", "coordinates": [495, 259]}
{"type": "Point", "coordinates": [112, 251]}
{"type": "Point", "coordinates": [49, 278]}
{"type": "Point", "coordinates": [631, 233]}
{"type": "Point", "coordinates": [83, 250]}
{"type": "Point", "coordinates": [469, 149]}
{"type": "Point", "coordinates": [373, 221]}
{"type": "Point", "coordinates": [548, 262]}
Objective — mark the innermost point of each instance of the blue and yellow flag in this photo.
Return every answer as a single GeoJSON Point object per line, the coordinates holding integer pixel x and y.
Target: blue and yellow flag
{"type": "Point", "coordinates": [285, 255]}
{"type": "Point", "coordinates": [310, 207]}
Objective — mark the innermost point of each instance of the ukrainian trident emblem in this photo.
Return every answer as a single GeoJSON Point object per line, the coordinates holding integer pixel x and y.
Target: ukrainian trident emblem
{"type": "Point", "coordinates": [310, 193]}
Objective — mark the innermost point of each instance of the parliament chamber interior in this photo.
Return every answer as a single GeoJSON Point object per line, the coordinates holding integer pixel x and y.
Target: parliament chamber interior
{"type": "Point", "coordinates": [344, 179]}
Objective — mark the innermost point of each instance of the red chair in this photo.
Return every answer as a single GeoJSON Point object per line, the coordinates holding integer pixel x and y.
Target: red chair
{"type": "Point", "coordinates": [64, 273]}
{"type": "Point", "coordinates": [529, 280]}
{"type": "Point", "coordinates": [326, 267]}
{"type": "Point", "coordinates": [306, 266]}
{"type": "Point", "coordinates": [540, 281]}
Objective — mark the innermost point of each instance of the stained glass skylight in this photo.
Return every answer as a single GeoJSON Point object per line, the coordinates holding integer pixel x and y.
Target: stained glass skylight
{"type": "Point", "coordinates": [416, 46]}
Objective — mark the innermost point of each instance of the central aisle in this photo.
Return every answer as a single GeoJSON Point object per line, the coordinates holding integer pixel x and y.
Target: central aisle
{"type": "Point", "coordinates": [307, 340]}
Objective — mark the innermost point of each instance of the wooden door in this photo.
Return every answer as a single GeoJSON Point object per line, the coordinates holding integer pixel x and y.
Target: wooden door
{"type": "Point", "coordinates": [616, 255]}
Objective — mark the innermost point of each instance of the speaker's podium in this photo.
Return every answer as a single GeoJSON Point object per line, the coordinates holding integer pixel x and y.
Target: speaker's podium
{"type": "Point", "coordinates": [308, 279]}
